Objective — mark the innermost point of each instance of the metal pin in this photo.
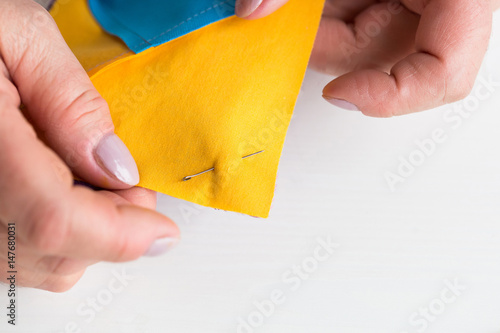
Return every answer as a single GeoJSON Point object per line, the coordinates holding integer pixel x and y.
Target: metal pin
{"type": "Point", "coordinates": [212, 169]}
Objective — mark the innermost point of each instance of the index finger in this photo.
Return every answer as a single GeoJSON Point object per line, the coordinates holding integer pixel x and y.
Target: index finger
{"type": "Point", "coordinates": [54, 218]}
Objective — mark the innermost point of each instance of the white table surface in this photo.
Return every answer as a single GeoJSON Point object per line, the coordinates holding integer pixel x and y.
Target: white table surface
{"type": "Point", "coordinates": [398, 250]}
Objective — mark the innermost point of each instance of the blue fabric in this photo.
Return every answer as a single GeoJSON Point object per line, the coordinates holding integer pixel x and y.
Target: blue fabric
{"type": "Point", "coordinates": [142, 24]}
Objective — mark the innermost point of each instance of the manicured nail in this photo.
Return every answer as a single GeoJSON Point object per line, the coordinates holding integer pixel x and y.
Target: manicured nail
{"type": "Point", "coordinates": [341, 103]}
{"type": "Point", "coordinates": [245, 8]}
{"type": "Point", "coordinates": [161, 246]}
{"type": "Point", "coordinates": [112, 155]}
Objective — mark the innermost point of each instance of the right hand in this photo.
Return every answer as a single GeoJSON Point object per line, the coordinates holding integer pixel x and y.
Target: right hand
{"type": "Point", "coordinates": [61, 228]}
{"type": "Point", "coordinates": [400, 57]}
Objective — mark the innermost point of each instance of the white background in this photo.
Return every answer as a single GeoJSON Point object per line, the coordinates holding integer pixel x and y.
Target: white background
{"type": "Point", "coordinates": [397, 248]}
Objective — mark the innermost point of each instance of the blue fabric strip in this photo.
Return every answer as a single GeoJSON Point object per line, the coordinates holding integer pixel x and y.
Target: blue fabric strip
{"type": "Point", "coordinates": [142, 24]}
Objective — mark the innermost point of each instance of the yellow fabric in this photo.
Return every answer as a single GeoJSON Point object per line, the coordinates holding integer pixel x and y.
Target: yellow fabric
{"type": "Point", "coordinates": [206, 100]}
{"type": "Point", "coordinates": [93, 47]}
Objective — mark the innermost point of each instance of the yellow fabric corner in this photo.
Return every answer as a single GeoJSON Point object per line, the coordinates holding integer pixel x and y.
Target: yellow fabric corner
{"type": "Point", "coordinates": [206, 100]}
{"type": "Point", "coordinates": [92, 46]}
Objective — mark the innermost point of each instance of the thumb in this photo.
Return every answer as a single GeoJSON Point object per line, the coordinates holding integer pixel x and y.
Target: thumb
{"type": "Point", "coordinates": [253, 9]}
{"type": "Point", "coordinates": [61, 102]}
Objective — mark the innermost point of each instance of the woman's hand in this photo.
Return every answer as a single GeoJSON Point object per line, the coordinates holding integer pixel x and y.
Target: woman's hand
{"type": "Point", "coordinates": [396, 57]}
{"type": "Point", "coordinates": [60, 229]}
{"type": "Point", "coordinates": [401, 57]}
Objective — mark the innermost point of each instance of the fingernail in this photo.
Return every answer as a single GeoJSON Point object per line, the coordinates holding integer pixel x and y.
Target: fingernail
{"type": "Point", "coordinates": [245, 8]}
{"type": "Point", "coordinates": [112, 155]}
{"type": "Point", "coordinates": [341, 103]}
{"type": "Point", "coordinates": [161, 246]}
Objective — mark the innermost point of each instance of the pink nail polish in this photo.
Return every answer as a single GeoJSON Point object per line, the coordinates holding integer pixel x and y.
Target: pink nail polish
{"type": "Point", "coordinates": [245, 8]}
{"type": "Point", "coordinates": [341, 103]}
{"type": "Point", "coordinates": [112, 155]}
{"type": "Point", "coordinates": [161, 246]}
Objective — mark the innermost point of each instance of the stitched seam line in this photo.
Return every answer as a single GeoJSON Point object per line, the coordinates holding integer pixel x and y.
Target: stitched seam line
{"type": "Point", "coordinates": [162, 34]}
{"type": "Point", "coordinates": [149, 41]}
{"type": "Point", "coordinates": [102, 8]}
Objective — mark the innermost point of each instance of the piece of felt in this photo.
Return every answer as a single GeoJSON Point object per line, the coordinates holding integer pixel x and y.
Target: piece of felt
{"type": "Point", "coordinates": [146, 23]}
{"type": "Point", "coordinates": [93, 46]}
{"type": "Point", "coordinates": [207, 99]}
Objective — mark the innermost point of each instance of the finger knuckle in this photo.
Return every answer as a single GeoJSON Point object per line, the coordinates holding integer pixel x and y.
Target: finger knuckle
{"type": "Point", "coordinates": [459, 82]}
{"type": "Point", "coordinates": [460, 89]}
{"type": "Point", "coordinates": [28, 41]}
{"type": "Point", "coordinates": [31, 15]}
{"type": "Point", "coordinates": [86, 111]}
{"type": "Point", "coordinates": [38, 16]}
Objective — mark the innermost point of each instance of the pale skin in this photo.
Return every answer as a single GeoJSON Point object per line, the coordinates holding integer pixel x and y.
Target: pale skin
{"type": "Point", "coordinates": [428, 55]}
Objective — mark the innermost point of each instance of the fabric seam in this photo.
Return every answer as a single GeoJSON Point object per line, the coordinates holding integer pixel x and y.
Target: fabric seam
{"type": "Point", "coordinates": [151, 40]}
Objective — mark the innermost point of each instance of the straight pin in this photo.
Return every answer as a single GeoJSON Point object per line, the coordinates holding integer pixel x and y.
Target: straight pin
{"type": "Point", "coordinates": [212, 169]}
